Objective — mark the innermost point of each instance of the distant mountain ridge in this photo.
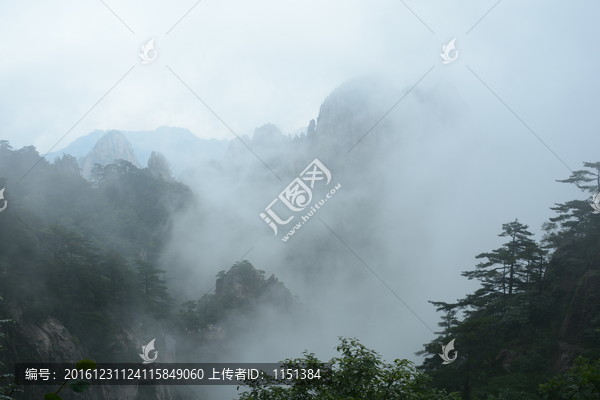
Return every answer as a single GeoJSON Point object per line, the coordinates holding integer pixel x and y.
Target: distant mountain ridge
{"type": "Point", "coordinates": [344, 117]}
{"type": "Point", "coordinates": [179, 146]}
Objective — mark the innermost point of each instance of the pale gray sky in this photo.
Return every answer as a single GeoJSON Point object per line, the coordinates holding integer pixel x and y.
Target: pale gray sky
{"type": "Point", "coordinates": [264, 61]}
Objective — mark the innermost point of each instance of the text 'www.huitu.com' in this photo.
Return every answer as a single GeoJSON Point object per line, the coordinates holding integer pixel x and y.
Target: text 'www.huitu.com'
{"type": "Point", "coordinates": [313, 209]}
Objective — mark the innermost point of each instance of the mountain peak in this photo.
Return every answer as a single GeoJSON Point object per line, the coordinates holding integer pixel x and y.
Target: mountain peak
{"type": "Point", "coordinates": [110, 147]}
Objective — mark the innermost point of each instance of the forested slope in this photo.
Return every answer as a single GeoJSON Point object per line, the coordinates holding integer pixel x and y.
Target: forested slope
{"type": "Point", "coordinates": [80, 275]}
{"type": "Point", "coordinates": [537, 310]}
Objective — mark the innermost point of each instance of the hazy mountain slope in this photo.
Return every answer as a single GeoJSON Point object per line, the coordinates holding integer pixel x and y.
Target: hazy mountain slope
{"type": "Point", "coordinates": [80, 147]}
{"type": "Point", "coordinates": [181, 147]}
{"type": "Point", "coordinates": [109, 148]}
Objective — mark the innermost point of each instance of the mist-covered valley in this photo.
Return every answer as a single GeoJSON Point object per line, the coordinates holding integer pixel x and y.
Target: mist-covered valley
{"type": "Point", "coordinates": [96, 267]}
{"type": "Point", "coordinates": [406, 191]}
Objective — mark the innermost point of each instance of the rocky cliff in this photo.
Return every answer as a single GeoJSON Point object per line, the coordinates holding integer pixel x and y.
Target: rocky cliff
{"type": "Point", "coordinates": [48, 340]}
{"type": "Point", "coordinates": [112, 146]}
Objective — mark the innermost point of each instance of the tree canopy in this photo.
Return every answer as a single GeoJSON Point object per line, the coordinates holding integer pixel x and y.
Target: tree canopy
{"type": "Point", "coordinates": [358, 373]}
{"type": "Point", "coordinates": [535, 311]}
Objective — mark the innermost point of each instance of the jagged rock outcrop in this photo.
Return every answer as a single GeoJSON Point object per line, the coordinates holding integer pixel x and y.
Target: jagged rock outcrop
{"type": "Point", "coordinates": [584, 305]}
{"type": "Point", "coordinates": [49, 341]}
{"type": "Point", "coordinates": [180, 146]}
{"type": "Point", "coordinates": [269, 135]}
{"type": "Point", "coordinates": [267, 143]}
{"type": "Point", "coordinates": [112, 146]}
{"type": "Point", "coordinates": [349, 112]}
{"type": "Point", "coordinates": [312, 128]}
{"type": "Point", "coordinates": [67, 163]}
{"type": "Point", "coordinates": [244, 284]}
{"type": "Point", "coordinates": [158, 164]}
{"type": "Point", "coordinates": [268, 147]}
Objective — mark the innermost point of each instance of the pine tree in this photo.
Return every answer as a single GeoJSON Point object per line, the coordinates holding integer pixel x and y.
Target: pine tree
{"type": "Point", "coordinates": [153, 289]}
{"type": "Point", "coordinates": [575, 219]}
{"type": "Point", "coordinates": [510, 268]}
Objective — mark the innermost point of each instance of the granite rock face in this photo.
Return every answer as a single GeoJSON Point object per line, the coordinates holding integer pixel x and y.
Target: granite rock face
{"type": "Point", "coordinates": [158, 164]}
{"type": "Point", "coordinates": [112, 146]}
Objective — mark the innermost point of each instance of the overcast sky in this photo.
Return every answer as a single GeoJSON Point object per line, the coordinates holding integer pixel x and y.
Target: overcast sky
{"type": "Point", "coordinates": [254, 62]}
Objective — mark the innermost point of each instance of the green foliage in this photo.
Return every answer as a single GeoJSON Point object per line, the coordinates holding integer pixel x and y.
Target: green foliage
{"type": "Point", "coordinates": [77, 386]}
{"type": "Point", "coordinates": [92, 248]}
{"type": "Point", "coordinates": [241, 289]}
{"type": "Point", "coordinates": [86, 364]}
{"type": "Point", "coordinates": [516, 266]}
{"type": "Point", "coordinates": [537, 307]}
{"type": "Point", "coordinates": [68, 249]}
{"type": "Point", "coordinates": [152, 285]}
{"type": "Point", "coordinates": [505, 393]}
{"type": "Point", "coordinates": [496, 317]}
{"type": "Point", "coordinates": [581, 382]}
{"type": "Point", "coordinates": [78, 241]}
{"type": "Point", "coordinates": [127, 209]}
{"type": "Point", "coordinates": [358, 373]}
{"type": "Point", "coordinates": [574, 223]}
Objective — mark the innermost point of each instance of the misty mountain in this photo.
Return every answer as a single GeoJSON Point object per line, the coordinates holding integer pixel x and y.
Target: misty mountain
{"type": "Point", "coordinates": [109, 148]}
{"type": "Point", "coordinates": [98, 288]}
{"type": "Point", "coordinates": [170, 237]}
{"type": "Point", "coordinates": [181, 147]}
